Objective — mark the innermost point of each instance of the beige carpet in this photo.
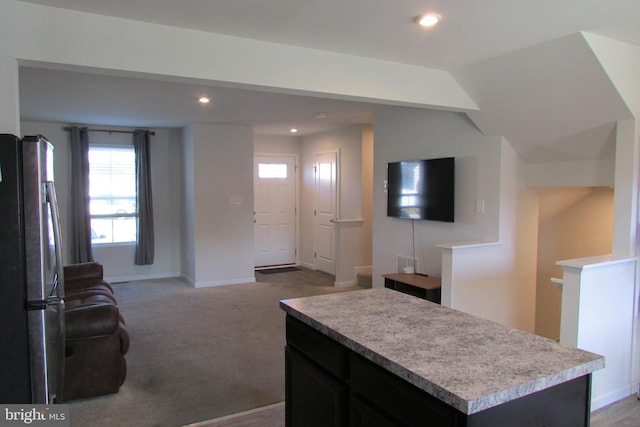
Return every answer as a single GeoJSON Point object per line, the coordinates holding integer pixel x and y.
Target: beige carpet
{"type": "Point", "coordinates": [199, 354]}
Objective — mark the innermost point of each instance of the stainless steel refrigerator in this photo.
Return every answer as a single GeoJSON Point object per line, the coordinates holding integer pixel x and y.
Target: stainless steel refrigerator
{"type": "Point", "coordinates": [31, 274]}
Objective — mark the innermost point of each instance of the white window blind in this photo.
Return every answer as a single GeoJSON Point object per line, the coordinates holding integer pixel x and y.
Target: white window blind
{"type": "Point", "coordinates": [112, 190]}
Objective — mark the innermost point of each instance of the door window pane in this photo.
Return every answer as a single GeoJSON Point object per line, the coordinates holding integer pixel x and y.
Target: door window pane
{"type": "Point", "coordinates": [272, 170]}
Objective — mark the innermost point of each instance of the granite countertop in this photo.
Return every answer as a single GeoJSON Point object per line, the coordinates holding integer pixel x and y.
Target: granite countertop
{"type": "Point", "coordinates": [469, 363]}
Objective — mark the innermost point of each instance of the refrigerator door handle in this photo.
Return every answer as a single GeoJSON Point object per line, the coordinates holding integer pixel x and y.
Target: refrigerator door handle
{"type": "Point", "coordinates": [55, 218]}
{"type": "Point", "coordinates": [58, 298]}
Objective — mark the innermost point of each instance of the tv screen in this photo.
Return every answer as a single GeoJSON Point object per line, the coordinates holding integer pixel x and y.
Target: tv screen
{"type": "Point", "coordinates": [421, 189]}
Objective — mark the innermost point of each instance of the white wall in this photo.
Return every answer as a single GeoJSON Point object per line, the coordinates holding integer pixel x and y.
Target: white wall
{"type": "Point", "coordinates": [276, 144]}
{"type": "Point", "coordinates": [221, 207]}
{"type": "Point", "coordinates": [118, 260]}
{"type": "Point", "coordinates": [518, 232]}
{"type": "Point", "coordinates": [582, 228]}
{"type": "Point", "coordinates": [367, 193]}
{"type": "Point", "coordinates": [593, 173]}
{"type": "Point", "coordinates": [495, 281]}
{"type": "Point", "coordinates": [406, 134]}
{"type": "Point", "coordinates": [351, 241]}
{"type": "Point", "coordinates": [9, 108]}
{"type": "Point", "coordinates": [597, 316]}
{"type": "Point", "coordinates": [622, 64]}
{"type": "Point", "coordinates": [187, 206]}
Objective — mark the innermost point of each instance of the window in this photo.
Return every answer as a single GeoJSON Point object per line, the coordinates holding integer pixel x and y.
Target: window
{"type": "Point", "coordinates": [112, 194]}
{"type": "Point", "coordinates": [272, 170]}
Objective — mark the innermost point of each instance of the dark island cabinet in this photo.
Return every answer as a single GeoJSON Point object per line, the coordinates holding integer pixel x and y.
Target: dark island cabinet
{"type": "Point", "coordinates": [314, 398]}
{"type": "Point", "coordinates": [316, 392]}
{"type": "Point", "coordinates": [329, 385]}
{"type": "Point", "coordinates": [365, 415]}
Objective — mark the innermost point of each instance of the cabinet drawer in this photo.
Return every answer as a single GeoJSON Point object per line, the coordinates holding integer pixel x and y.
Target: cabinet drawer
{"type": "Point", "coordinates": [321, 349]}
{"type": "Point", "coordinates": [399, 399]}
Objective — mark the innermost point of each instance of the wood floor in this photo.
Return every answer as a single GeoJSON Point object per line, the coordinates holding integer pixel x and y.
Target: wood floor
{"type": "Point", "coordinates": [624, 413]}
{"type": "Point", "coordinates": [268, 416]}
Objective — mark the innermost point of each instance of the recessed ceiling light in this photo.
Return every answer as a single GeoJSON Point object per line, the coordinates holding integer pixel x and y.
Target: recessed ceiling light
{"type": "Point", "coordinates": [293, 130]}
{"type": "Point", "coordinates": [429, 19]}
{"type": "Point", "coordinates": [204, 100]}
{"type": "Point", "coordinates": [320, 115]}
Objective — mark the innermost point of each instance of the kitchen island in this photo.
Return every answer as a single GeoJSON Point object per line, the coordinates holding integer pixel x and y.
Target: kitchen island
{"type": "Point", "coordinates": [378, 357]}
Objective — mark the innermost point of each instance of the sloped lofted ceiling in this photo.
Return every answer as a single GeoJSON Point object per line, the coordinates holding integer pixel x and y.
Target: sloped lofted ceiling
{"type": "Point", "coordinates": [525, 64]}
{"type": "Point", "coordinates": [471, 31]}
{"type": "Point", "coordinates": [551, 101]}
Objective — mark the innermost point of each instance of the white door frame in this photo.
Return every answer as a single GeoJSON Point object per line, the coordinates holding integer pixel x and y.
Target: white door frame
{"type": "Point", "coordinates": [293, 156]}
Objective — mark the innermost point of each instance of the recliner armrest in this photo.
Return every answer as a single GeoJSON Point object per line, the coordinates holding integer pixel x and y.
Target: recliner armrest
{"type": "Point", "coordinates": [93, 316]}
{"type": "Point", "coordinates": [83, 271]}
{"type": "Point", "coordinates": [78, 277]}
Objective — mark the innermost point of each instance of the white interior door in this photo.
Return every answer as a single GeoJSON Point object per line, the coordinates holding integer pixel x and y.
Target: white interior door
{"type": "Point", "coordinates": [275, 210]}
{"type": "Point", "coordinates": [325, 202]}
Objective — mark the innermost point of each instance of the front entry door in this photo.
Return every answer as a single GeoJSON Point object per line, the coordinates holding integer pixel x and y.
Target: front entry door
{"type": "Point", "coordinates": [275, 210]}
{"type": "Point", "coordinates": [326, 184]}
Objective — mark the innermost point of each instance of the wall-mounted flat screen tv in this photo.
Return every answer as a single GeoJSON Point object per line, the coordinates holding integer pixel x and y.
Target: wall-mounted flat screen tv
{"type": "Point", "coordinates": [421, 189]}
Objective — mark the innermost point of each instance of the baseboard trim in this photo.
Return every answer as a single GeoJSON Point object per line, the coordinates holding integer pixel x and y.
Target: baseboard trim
{"type": "Point", "coordinates": [122, 279]}
{"type": "Point", "coordinates": [307, 265]}
{"type": "Point", "coordinates": [237, 281]}
{"type": "Point", "coordinates": [345, 284]}
{"type": "Point", "coordinates": [598, 402]}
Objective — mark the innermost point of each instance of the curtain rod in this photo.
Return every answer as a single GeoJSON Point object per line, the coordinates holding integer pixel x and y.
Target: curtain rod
{"type": "Point", "coordinates": [67, 128]}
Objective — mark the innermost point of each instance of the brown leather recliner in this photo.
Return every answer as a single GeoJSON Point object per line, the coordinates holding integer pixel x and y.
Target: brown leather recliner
{"type": "Point", "coordinates": [85, 277]}
{"type": "Point", "coordinates": [96, 337]}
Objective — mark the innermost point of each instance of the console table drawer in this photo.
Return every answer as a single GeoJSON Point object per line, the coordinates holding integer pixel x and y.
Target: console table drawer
{"type": "Point", "coordinates": [425, 287]}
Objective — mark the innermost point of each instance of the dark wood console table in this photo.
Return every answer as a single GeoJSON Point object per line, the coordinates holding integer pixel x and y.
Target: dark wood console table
{"type": "Point", "coordinates": [425, 287]}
